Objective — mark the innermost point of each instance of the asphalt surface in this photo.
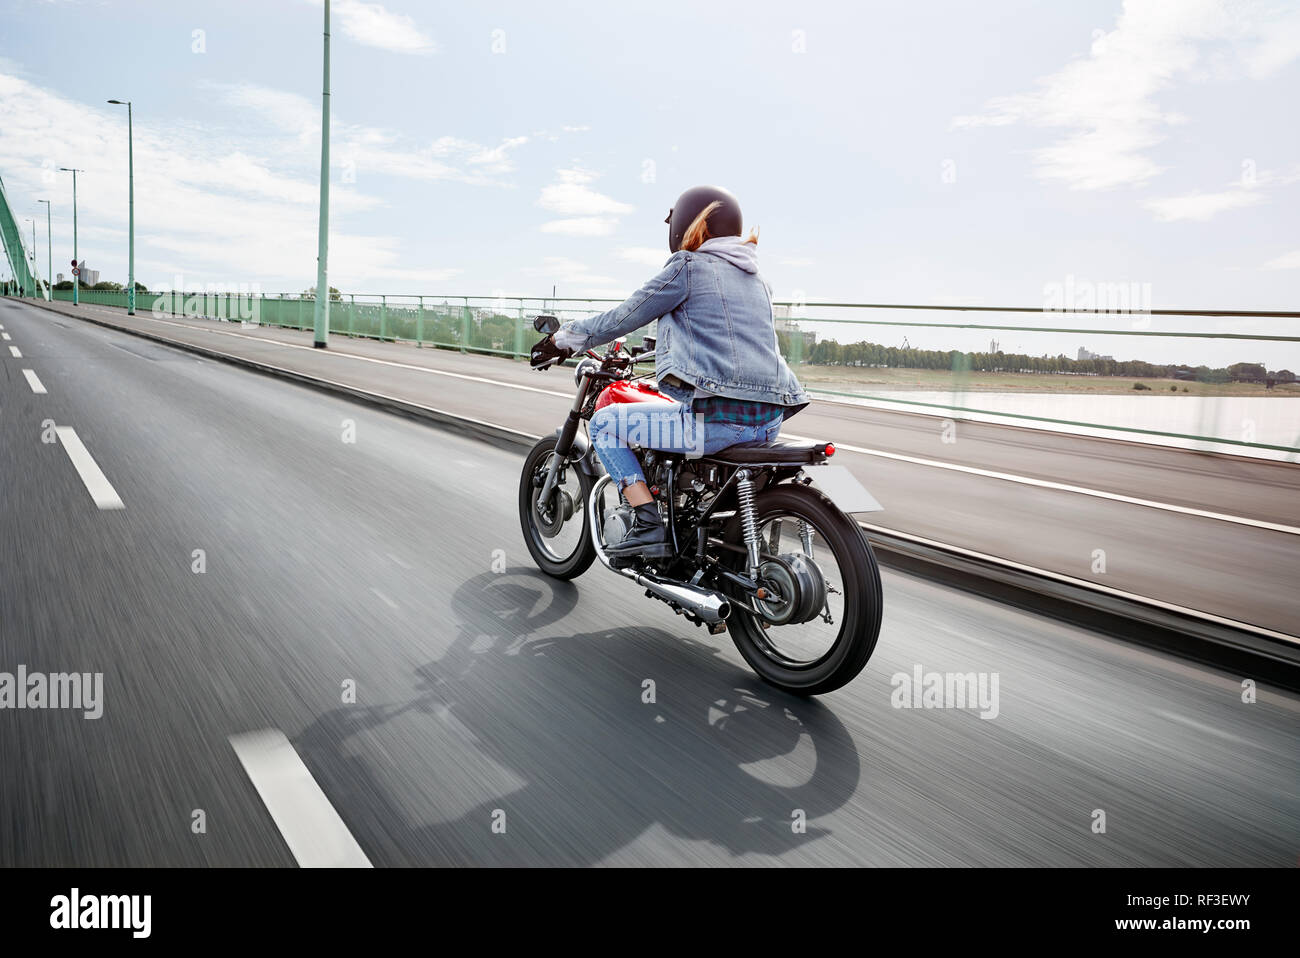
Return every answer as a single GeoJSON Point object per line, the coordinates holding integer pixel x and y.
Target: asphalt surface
{"type": "Point", "coordinates": [478, 692]}
{"type": "Point", "coordinates": [1229, 569]}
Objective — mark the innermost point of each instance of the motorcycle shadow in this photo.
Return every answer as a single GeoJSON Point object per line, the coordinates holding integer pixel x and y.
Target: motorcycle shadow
{"type": "Point", "coordinates": [612, 734]}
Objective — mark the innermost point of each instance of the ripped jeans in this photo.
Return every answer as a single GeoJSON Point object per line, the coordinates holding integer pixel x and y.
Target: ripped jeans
{"type": "Point", "coordinates": [670, 426]}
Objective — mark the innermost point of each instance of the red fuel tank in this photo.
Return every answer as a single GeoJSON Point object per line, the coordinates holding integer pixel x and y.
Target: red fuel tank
{"type": "Point", "coordinates": [631, 392]}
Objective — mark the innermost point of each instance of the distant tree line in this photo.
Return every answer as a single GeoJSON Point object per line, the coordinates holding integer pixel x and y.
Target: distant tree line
{"type": "Point", "coordinates": [106, 284]}
{"type": "Point", "coordinates": [829, 352]}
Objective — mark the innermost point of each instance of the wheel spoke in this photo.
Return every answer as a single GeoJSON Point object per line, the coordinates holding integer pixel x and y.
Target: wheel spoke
{"type": "Point", "coordinates": [803, 644]}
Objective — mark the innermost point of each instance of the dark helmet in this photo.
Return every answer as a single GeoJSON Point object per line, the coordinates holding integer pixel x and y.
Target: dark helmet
{"type": "Point", "coordinates": [724, 221]}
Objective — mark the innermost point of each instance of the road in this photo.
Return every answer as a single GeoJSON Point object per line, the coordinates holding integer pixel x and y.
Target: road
{"type": "Point", "coordinates": [487, 697]}
{"type": "Point", "coordinates": [1214, 533]}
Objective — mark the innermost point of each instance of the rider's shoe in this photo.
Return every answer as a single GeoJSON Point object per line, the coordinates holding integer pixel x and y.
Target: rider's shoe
{"type": "Point", "coordinates": [647, 537]}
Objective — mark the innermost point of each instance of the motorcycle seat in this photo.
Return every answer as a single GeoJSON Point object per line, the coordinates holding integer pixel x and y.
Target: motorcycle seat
{"type": "Point", "coordinates": [784, 452]}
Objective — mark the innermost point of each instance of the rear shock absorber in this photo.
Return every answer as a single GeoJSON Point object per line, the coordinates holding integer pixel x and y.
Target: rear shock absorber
{"type": "Point", "coordinates": [805, 536]}
{"type": "Point", "coordinates": [748, 522]}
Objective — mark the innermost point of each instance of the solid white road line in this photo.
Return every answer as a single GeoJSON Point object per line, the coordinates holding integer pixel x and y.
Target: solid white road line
{"type": "Point", "coordinates": [13, 351]}
{"type": "Point", "coordinates": [35, 383]}
{"type": "Point", "coordinates": [96, 483]}
{"type": "Point", "coordinates": [1008, 477]}
{"type": "Point", "coordinates": [308, 822]}
{"type": "Point", "coordinates": [1063, 487]}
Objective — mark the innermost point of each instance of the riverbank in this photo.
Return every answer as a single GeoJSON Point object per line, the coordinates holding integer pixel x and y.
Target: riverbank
{"type": "Point", "coordinates": [861, 379]}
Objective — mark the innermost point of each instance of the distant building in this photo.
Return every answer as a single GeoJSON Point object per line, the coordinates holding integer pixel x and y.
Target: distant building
{"type": "Point", "coordinates": [785, 325]}
{"type": "Point", "coordinates": [88, 277]}
{"type": "Point", "coordinates": [1084, 354]}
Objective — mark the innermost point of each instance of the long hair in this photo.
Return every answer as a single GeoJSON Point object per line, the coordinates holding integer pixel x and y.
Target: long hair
{"type": "Point", "coordinates": [698, 231]}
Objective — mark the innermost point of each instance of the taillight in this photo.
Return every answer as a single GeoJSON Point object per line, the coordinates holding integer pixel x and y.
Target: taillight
{"type": "Point", "coordinates": [830, 449]}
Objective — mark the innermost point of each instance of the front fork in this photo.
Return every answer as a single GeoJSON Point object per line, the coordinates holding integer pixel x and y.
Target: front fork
{"type": "Point", "coordinates": [563, 446]}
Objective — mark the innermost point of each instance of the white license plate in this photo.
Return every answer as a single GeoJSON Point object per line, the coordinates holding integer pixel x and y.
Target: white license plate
{"type": "Point", "coordinates": [842, 488]}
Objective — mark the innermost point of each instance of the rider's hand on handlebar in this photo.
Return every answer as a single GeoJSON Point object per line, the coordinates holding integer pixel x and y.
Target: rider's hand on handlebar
{"type": "Point", "coordinates": [546, 354]}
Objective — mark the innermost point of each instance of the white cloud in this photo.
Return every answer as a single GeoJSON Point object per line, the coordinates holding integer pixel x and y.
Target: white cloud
{"type": "Point", "coordinates": [1201, 206]}
{"type": "Point", "coordinates": [1289, 260]}
{"type": "Point", "coordinates": [585, 212]}
{"type": "Point", "coordinates": [223, 217]}
{"type": "Point", "coordinates": [580, 226]}
{"type": "Point", "coordinates": [373, 25]}
{"type": "Point", "coordinates": [286, 112]}
{"type": "Point", "coordinates": [1106, 102]}
{"type": "Point", "coordinates": [1276, 49]}
{"type": "Point", "coordinates": [643, 255]}
{"type": "Point", "coordinates": [365, 149]}
{"type": "Point", "coordinates": [571, 196]}
{"type": "Point", "coordinates": [496, 159]}
{"type": "Point", "coordinates": [569, 272]}
{"type": "Point", "coordinates": [795, 261]}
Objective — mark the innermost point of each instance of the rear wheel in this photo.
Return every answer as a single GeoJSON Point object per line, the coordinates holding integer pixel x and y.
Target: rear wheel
{"type": "Point", "coordinates": [817, 650]}
{"type": "Point", "coordinates": [556, 533]}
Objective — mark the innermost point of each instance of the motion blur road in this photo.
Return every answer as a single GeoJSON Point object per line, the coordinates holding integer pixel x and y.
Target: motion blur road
{"type": "Point", "coordinates": [371, 562]}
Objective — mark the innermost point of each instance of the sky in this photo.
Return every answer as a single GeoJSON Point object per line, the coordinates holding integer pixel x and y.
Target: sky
{"type": "Point", "coordinates": [996, 153]}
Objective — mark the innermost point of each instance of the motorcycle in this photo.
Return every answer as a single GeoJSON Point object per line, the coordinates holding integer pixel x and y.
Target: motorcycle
{"type": "Point", "coordinates": [760, 542]}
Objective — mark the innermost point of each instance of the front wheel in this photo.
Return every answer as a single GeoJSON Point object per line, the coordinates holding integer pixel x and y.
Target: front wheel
{"type": "Point", "coordinates": [556, 533]}
{"type": "Point", "coordinates": [808, 651]}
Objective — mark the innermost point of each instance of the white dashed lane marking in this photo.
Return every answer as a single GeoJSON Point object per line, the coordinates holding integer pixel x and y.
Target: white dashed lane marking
{"type": "Point", "coordinates": [307, 821]}
{"type": "Point", "coordinates": [37, 386]}
{"type": "Point", "coordinates": [96, 483]}
{"type": "Point", "coordinates": [13, 351]}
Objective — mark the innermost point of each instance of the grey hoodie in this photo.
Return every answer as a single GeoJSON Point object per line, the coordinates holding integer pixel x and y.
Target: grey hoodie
{"type": "Point", "coordinates": [734, 250]}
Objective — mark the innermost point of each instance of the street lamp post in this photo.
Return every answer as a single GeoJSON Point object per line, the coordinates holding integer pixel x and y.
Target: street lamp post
{"type": "Point", "coordinates": [76, 279]}
{"type": "Point", "coordinates": [33, 255]}
{"type": "Point", "coordinates": [49, 250]}
{"type": "Point", "coordinates": [321, 317]}
{"type": "Point", "coordinates": [130, 178]}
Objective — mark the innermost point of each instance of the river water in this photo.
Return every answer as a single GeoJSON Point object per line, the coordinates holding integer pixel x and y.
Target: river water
{"type": "Point", "coordinates": [1272, 421]}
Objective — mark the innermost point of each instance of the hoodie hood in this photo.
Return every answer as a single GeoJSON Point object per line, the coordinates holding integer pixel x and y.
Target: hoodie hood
{"type": "Point", "coordinates": [734, 250]}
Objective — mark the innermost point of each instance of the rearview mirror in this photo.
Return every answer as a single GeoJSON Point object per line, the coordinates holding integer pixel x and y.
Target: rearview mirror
{"type": "Point", "coordinates": [546, 324]}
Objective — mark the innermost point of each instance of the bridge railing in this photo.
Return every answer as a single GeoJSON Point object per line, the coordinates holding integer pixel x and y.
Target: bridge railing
{"type": "Point", "coordinates": [839, 351]}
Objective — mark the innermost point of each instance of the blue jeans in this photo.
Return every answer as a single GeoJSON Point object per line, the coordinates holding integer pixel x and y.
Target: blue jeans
{"type": "Point", "coordinates": [668, 426]}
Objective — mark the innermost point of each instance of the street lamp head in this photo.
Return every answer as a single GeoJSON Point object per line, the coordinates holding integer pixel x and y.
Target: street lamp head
{"type": "Point", "coordinates": [120, 102]}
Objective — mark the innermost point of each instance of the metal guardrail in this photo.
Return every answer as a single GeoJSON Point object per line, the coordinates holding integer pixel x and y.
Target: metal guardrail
{"type": "Point", "coordinates": [502, 325]}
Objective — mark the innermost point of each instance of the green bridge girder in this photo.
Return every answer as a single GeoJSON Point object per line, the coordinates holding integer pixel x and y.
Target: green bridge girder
{"type": "Point", "coordinates": [22, 269]}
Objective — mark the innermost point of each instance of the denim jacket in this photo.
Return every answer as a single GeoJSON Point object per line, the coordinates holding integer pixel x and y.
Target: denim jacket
{"type": "Point", "coordinates": [715, 332]}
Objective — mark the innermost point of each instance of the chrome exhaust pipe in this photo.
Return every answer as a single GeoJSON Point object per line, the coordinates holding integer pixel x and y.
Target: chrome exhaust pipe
{"type": "Point", "coordinates": [708, 606]}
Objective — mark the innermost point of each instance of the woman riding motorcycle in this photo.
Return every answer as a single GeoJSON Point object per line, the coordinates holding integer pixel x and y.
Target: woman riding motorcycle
{"type": "Point", "coordinates": [716, 355]}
